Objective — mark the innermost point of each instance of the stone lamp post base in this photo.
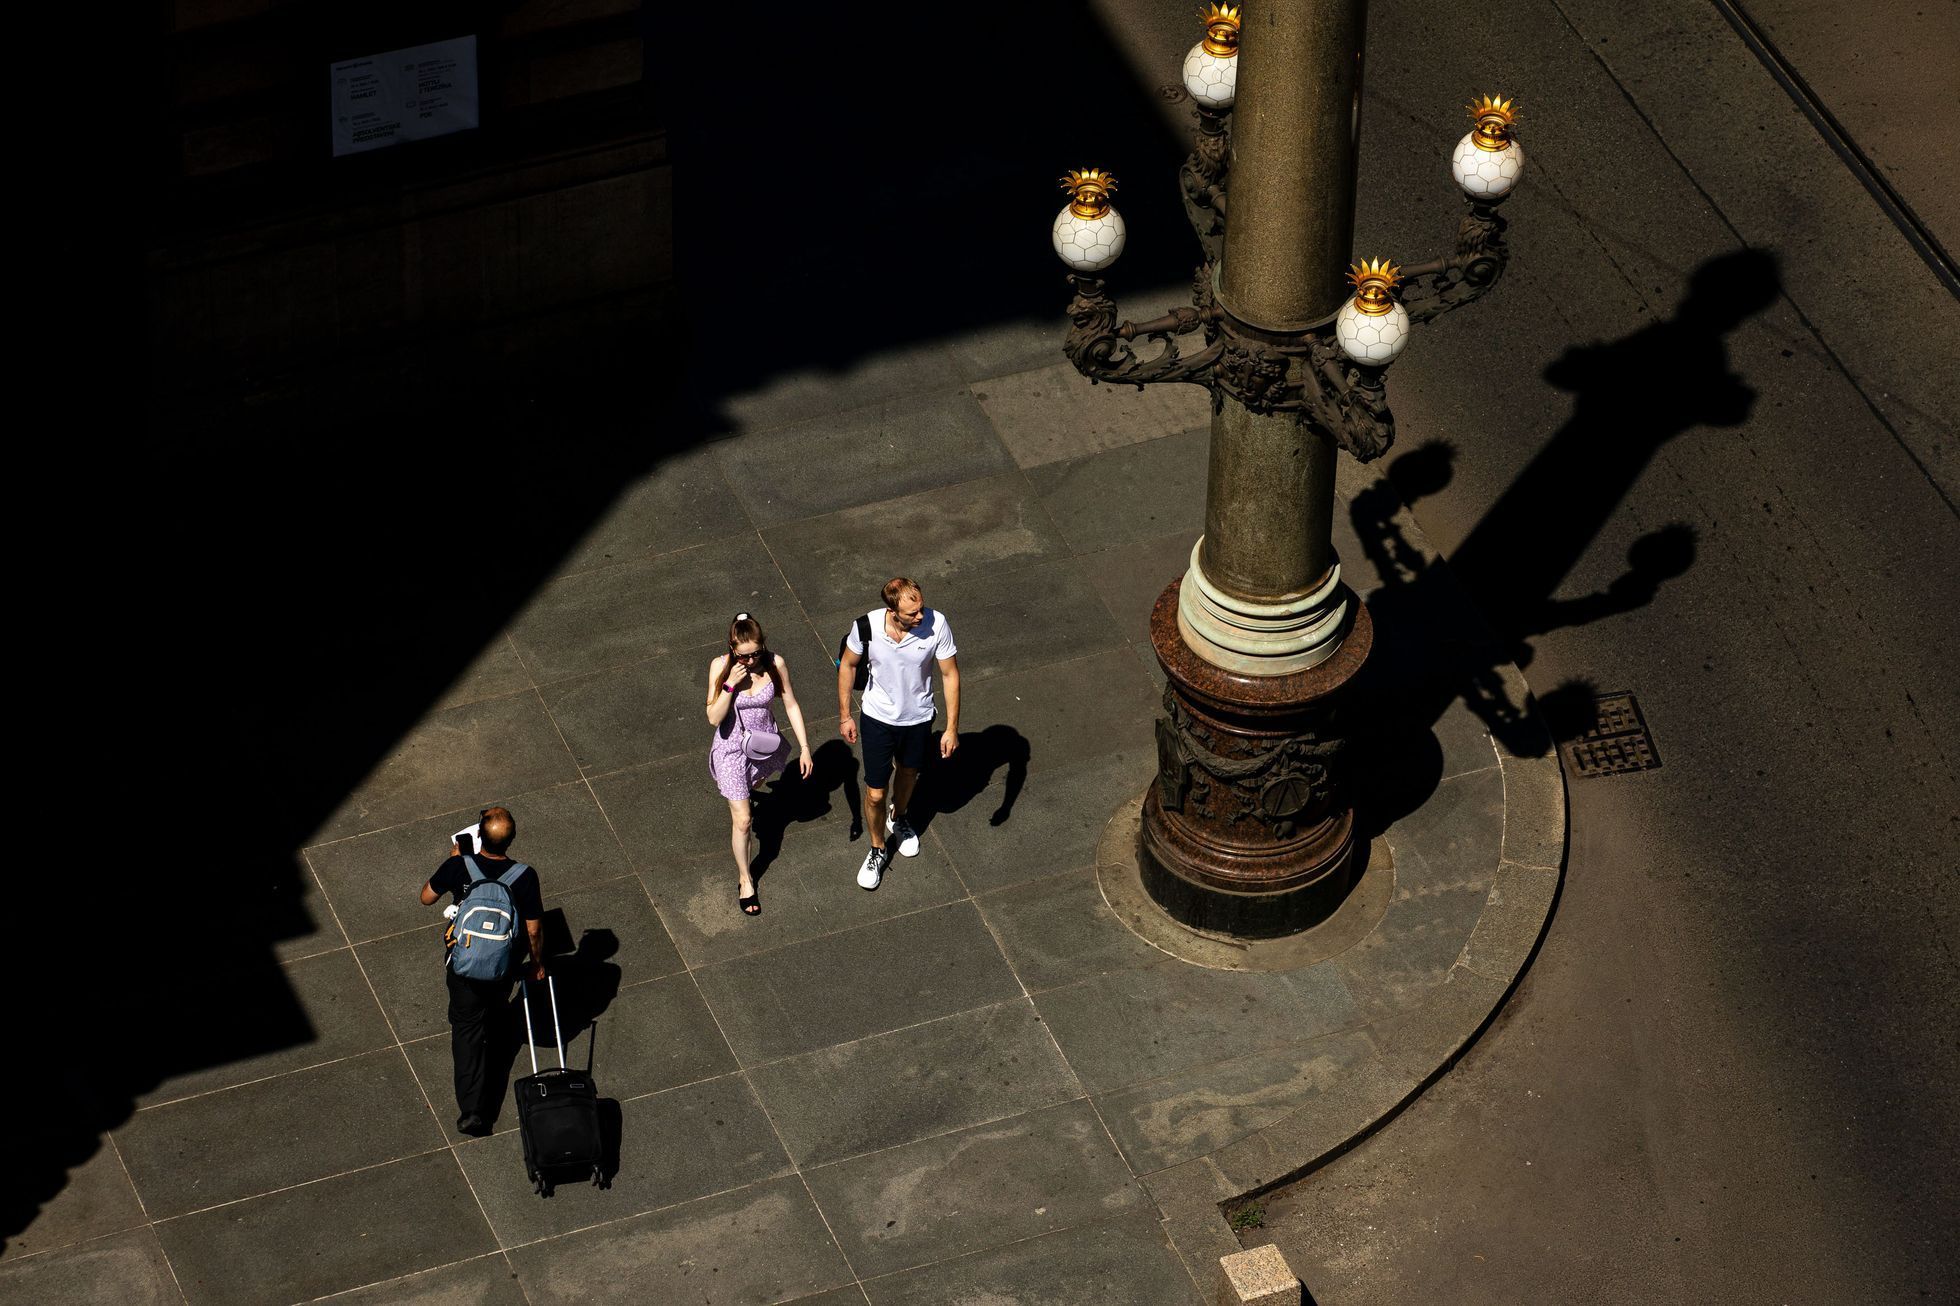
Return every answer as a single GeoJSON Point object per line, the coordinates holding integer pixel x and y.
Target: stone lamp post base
{"type": "Point", "coordinates": [1248, 830]}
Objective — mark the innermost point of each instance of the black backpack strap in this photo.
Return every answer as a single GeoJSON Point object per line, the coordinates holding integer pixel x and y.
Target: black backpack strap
{"type": "Point", "coordinates": [864, 638]}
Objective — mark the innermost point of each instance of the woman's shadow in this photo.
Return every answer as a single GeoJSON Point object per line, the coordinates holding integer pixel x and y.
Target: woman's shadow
{"type": "Point", "coordinates": [794, 800]}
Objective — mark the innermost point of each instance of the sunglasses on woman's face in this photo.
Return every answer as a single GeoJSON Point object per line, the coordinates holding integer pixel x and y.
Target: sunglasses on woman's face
{"type": "Point", "coordinates": [748, 657]}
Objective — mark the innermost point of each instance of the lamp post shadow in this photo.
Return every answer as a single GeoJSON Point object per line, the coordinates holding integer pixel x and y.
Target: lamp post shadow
{"type": "Point", "coordinates": [1445, 633]}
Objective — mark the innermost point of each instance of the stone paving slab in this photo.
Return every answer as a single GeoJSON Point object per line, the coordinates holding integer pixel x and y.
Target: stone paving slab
{"type": "Point", "coordinates": [1127, 495]}
{"type": "Point", "coordinates": [1198, 1111]}
{"type": "Point", "coordinates": [914, 1083]}
{"type": "Point", "coordinates": [496, 671]}
{"type": "Point", "coordinates": [681, 502]}
{"type": "Point", "coordinates": [975, 1188]}
{"type": "Point", "coordinates": [98, 1200]}
{"type": "Point", "coordinates": [1047, 828]}
{"type": "Point", "coordinates": [355, 1229]}
{"type": "Point", "coordinates": [342, 1116]}
{"type": "Point", "coordinates": [452, 759]}
{"type": "Point", "coordinates": [1057, 931]}
{"type": "Point", "coordinates": [330, 989]}
{"type": "Point", "coordinates": [485, 1281]}
{"type": "Point", "coordinates": [610, 616]}
{"type": "Point", "coordinates": [765, 1243]}
{"type": "Point", "coordinates": [1102, 704]}
{"type": "Point", "coordinates": [1123, 1260]}
{"type": "Point", "coordinates": [127, 1268]}
{"type": "Point", "coordinates": [990, 524]}
{"type": "Point", "coordinates": [902, 445]}
{"type": "Point", "coordinates": [639, 712]}
{"type": "Point", "coordinates": [856, 983]}
{"type": "Point", "coordinates": [1126, 576]}
{"type": "Point", "coordinates": [1047, 415]}
{"type": "Point", "coordinates": [759, 404]}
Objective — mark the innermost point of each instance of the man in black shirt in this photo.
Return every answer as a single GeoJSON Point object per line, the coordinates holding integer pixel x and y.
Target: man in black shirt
{"type": "Point", "coordinates": [474, 1003]}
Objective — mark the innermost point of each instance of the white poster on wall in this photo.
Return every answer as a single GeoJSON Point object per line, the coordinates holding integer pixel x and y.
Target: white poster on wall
{"type": "Point", "coordinates": [404, 95]}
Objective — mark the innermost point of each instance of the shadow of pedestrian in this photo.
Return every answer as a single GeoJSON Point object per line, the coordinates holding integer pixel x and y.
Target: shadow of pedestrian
{"type": "Point", "coordinates": [949, 784]}
{"type": "Point", "coordinates": [794, 800]}
{"type": "Point", "coordinates": [586, 979]}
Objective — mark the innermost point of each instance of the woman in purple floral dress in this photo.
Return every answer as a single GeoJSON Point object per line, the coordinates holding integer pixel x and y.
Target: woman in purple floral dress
{"type": "Point", "coordinates": [742, 684]}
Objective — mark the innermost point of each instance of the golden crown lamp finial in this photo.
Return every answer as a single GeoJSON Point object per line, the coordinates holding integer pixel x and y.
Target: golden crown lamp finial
{"type": "Point", "coordinates": [1495, 117]}
{"type": "Point", "coordinates": [1374, 283]}
{"type": "Point", "coordinates": [1221, 29]}
{"type": "Point", "coordinates": [1089, 190]}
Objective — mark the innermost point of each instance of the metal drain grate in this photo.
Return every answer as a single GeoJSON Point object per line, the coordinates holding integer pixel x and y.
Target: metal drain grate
{"type": "Point", "coordinates": [1617, 741]}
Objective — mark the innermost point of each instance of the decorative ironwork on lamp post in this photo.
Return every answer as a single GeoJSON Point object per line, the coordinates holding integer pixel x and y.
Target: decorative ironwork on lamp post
{"type": "Point", "coordinates": [1249, 828]}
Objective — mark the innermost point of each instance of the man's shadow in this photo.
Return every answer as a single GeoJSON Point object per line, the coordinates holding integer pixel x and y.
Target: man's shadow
{"type": "Point", "coordinates": [794, 800]}
{"type": "Point", "coordinates": [1445, 633]}
{"type": "Point", "coordinates": [949, 784]}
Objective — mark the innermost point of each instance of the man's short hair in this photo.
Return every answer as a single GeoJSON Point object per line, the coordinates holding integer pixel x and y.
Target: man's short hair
{"type": "Point", "coordinates": [499, 828]}
{"type": "Point", "coordinates": [897, 587]}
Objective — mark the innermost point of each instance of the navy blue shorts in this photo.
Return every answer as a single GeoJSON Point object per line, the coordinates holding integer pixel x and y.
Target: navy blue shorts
{"type": "Point", "coordinates": [885, 744]}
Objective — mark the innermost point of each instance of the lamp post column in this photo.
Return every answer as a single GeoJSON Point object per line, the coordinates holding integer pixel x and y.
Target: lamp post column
{"type": "Point", "coordinates": [1249, 829]}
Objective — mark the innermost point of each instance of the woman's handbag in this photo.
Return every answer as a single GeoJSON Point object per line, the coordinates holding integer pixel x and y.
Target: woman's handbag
{"type": "Point", "coordinates": [759, 745]}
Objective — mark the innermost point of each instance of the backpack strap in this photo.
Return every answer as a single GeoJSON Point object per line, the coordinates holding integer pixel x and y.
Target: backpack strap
{"type": "Point", "coordinates": [510, 877]}
{"type": "Point", "coordinates": [476, 872]}
{"type": "Point", "coordinates": [864, 638]}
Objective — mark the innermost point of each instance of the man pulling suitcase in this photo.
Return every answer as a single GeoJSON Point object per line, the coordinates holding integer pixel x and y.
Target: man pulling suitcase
{"type": "Point", "coordinates": [495, 932]}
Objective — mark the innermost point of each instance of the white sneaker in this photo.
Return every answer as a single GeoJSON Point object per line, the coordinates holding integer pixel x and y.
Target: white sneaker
{"type": "Point", "coordinates": [897, 828]}
{"type": "Point", "coordinates": [873, 869]}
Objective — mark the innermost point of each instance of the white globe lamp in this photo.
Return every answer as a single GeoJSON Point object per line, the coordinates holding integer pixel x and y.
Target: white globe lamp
{"type": "Point", "coordinates": [1089, 232]}
{"type": "Point", "coordinates": [1488, 161]}
{"type": "Point", "coordinates": [1211, 69]}
{"type": "Point", "coordinates": [1372, 327]}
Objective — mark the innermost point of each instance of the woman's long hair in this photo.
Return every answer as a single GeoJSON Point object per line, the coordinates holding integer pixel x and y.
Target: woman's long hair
{"type": "Point", "coordinates": [740, 631]}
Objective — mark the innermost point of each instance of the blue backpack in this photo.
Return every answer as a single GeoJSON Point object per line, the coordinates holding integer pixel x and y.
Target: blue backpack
{"type": "Point", "coordinates": [481, 938]}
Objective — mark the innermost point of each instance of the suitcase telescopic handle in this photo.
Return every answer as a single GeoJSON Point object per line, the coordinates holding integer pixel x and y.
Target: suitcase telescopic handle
{"type": "Point", "coordinates": [557, 1030]}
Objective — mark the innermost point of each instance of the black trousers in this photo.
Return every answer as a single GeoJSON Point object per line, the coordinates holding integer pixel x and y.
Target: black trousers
{"type": "Point", "coordinates": [479, 1010]}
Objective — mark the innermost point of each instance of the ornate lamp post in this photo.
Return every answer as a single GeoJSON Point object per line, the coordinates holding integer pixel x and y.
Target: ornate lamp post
{"type": "Point", "coordinates": [1249, 828]}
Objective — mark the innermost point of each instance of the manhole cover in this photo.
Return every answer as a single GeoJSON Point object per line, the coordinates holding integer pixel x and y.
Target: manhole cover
{"type": "Point", "coordinates": [1616, 742]}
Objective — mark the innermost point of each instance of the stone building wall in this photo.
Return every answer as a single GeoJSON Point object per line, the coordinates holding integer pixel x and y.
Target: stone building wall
{"type": "Point", "coordinates": [527, 251]}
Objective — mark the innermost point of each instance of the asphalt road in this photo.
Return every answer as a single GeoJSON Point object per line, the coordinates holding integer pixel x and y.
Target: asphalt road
{"type": "Point", "coordinates": [1699, 446]}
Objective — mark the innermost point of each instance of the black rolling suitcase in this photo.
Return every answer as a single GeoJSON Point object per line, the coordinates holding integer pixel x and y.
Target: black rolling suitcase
{"type": "Point", "coordinates": [558, 1113]}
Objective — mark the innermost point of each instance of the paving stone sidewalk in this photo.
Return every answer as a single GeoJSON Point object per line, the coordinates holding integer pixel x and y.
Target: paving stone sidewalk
{"type": "Point", "coordinates": [974, 1084]}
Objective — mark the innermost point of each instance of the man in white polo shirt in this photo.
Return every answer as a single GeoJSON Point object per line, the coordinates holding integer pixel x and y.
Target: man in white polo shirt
{"type": "Point", "coordinates": [907, 637]}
